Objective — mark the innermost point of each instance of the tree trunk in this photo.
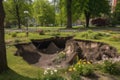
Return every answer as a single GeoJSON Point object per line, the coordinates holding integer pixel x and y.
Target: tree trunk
{"type": "Point", "coordinates": [17, 14]}
{"type": "Point", "coordinates": [61, 16]}
{"type": "Point", "coordinates": [54, 12]}
{"type": "Point", "coordinates": [87, 17]}
{"type": "Point", "coordinates": [69, 13]}
{"type": "Point", "coordinates": [3, 60]}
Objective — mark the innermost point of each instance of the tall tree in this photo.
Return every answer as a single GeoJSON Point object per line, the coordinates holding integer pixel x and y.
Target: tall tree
{"type": "Point", "coordinates": [93, 8]}
{"type": "Point", "coordinates": [43, 12]}
{"type": "Point", "coordinates": [69, 13]}
{"type": "Point", "coordinates": [116, 13]}
{"type": "Point", "coordinates": [3, 60]}
{"type": "Point", "coordinates": [15, 13]}
{"type": "Point", "coordinates": [54, 1]}
{"type": "Point", "coordinates": [96, 8]}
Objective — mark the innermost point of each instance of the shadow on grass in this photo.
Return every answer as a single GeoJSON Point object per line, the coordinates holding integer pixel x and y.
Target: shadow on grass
{"type": "Point", "coordinates": [12, 75]}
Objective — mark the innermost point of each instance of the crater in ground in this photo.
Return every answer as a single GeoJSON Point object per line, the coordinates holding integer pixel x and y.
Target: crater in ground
{"type": "Point", "coordinates": [61, 52]}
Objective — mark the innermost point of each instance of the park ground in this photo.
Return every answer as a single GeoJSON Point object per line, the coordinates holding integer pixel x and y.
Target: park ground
{"type": "Point", "coordinates": [21, 70]}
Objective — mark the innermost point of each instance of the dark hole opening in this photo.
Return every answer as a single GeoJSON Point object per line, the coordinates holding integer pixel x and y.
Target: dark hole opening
{"type": "Point", "coordinates": [43, 44]}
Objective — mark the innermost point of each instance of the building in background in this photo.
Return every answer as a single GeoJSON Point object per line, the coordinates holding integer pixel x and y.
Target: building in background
{"type": "Point", "coordinates": [113, 5]}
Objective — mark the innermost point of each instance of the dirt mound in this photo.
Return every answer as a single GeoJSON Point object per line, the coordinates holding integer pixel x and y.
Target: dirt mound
{"type": "Point", "coordinates": [29, 52]}
{"type": "Point", "coordinates": [52, 48]}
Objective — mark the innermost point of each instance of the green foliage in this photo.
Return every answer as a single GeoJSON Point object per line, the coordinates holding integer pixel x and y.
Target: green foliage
{"type": "Point", "coordinates": [82, 67]}
{"type": "Point", "coordinates": [41, 32]}
{"type": "Point", "coordinates": [55, 34]}
{"type": "Point", "coordinates": [115, 38]}
{"type": "Point", "coordinates": [116, 14]}
{"type": "Point", "coordinates": [111, 68]}
{"type": "Point", "coordinates": [60, 57]}
{"type": "Point", "coordinates": [93, 35]}
{"type": "Point", "coordinates": [43, 12]}
{"type": "Point", "coordinates": [75, 76]}
{"type": "Point", "coordinates": [17, 41]}
{"type": "Point", "coordinates": [51, 75]}
{"type": "Point", "coordinates": [21, 34]}
{"type": "Point", "coordinates": [11, 12]}
{"type": "Point", "coordinates": [92, 8]}
{"type": "Point", "coordinates": [14, 34]}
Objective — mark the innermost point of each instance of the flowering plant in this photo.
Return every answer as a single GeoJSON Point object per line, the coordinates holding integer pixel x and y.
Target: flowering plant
{"type": "Point", "coordinates": [83, 67]}
{"type": "Point", "coordinates": [52, 74]}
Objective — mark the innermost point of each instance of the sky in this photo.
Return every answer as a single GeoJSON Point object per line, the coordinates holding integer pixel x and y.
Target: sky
{"type": "Point", "coordinates": [49, 0]}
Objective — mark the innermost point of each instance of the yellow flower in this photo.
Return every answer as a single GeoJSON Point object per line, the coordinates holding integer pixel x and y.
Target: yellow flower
{"type": "Point", "coordinates": [70, 69]}
{"type": "Point", "coordinates": [78, 62]}
{"type": "Point", "coordinates": [84, 63]}
{"type": "Point", "coordinates": [88, 62]}
{"type": "Point", "coordinates": [74, 69]}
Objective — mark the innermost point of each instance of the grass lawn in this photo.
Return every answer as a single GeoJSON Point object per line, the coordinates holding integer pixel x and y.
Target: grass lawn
{"type": "Point", "coordinates": [20, 70]}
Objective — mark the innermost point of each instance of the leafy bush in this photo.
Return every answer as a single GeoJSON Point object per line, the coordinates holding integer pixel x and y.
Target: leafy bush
{"type": "Point", "coordinates": [20, 35]}
{"type": "Point", "coordinates": [82, 67]}
{"type": "Point", "coordinates": [116, 15]}
{"type": "Point", "coordinates": [60, 57]}
{"type": "Point", "coordinates": [14, 34]}
{"type": "Point", "coordinates": [111, 68]}
{"type": "Point", "coordinates": [75, 76]}
{"type": "Point", "coordinates": [100, 22]}
{"type": "Point", "coordinates": [51, 75]}
{"type": "Point", "coordinates": [17, 41]}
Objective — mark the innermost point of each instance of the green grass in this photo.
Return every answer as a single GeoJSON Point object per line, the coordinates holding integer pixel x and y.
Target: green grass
{"type": "Point", "coordinates": [47, 28]}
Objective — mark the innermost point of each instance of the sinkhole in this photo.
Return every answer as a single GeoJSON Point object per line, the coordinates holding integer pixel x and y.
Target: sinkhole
{"type": "Point", "coordinates": [60, 52]}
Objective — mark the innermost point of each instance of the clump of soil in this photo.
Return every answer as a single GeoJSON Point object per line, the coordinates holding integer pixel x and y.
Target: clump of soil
{"type": "Point", "coordinates": [52, 48]}
{"type": "Point", "coordinates": [62, 52]}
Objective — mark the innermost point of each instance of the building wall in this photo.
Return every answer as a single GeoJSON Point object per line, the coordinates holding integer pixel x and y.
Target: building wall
{"type": "Point", "coordinates": [112, 4]}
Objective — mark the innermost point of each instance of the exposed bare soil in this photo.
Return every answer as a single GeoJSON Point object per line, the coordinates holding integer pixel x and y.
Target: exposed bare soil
{"type": "Point", "coordinates": [62, 52]}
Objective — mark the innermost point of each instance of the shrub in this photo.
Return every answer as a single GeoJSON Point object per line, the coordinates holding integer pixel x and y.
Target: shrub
{"type": "Point", "coordinates": [41, 32]}
{"type": "Point", "coordinates": [60, 57]}
{"type": "Point", "coordinates": [14, 34]}
{"type": "Point", "coordinates": [52, 75]}
{"type": "Point", "coordinates": [75, 76]}
{"type": "Point", "coordinates": [17, 41]}
{"type": "Point", "coordinates": [100, 22]}
{"type": "Point", "coordinates": [82, 67]}
{"type": "Point", "coordinates": [111, 68]}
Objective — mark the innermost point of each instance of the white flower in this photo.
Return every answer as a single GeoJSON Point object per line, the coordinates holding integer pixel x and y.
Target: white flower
{"type": "Point", "coordinates": [45, 72]}
{"type": "Point", "coordinates": [51, 72]}
{"type": "Point", "coordinates": [55, 70]}
{"type": "Point", "coordinates": [48, 68]}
